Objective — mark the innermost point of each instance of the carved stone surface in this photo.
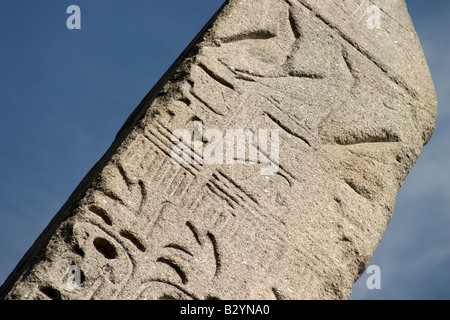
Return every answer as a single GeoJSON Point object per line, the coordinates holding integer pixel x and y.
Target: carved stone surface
{"type": "Point", "coordinates": [353, 107]}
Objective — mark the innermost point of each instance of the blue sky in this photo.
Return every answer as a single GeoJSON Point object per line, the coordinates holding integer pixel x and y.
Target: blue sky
{"type": "Point", "coordinates": [65, 93]}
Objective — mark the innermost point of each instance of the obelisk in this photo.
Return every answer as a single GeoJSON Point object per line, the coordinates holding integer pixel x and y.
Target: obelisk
{"type": "Point", "coordinates": [263, 165]}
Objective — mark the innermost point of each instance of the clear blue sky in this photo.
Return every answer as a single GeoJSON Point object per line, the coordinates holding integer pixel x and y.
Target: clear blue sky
{"type": "Point", "coordinates": [64, 94]}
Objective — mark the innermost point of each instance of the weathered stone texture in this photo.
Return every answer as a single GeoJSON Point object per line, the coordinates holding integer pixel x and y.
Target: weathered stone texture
{"type": "Point", "coordinates": [353, 106]}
